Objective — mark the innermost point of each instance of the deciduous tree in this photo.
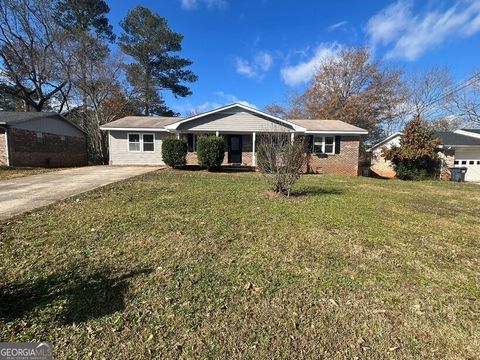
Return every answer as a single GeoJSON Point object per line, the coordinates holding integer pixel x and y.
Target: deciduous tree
{"type": "Point", "coordinates": [34, 53]}
{"type": "Point", "coordinates": [416, 157]}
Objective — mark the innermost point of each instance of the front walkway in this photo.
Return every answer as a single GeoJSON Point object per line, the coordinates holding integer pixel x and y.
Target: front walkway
{"type": "Point", "coordinates": [27, 193]}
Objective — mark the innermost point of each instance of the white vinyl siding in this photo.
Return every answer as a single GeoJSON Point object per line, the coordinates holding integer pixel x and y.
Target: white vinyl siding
{"type": "Point", "coordinates": [232, 121]}
{"type": "Point", "coordinates": [121, 153]}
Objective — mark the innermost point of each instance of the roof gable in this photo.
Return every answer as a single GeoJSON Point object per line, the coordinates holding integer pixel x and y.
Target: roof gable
{"type": "Point", "coordinates": [230, 111]}
{"type": "Point", "coordinates": [21, 119]}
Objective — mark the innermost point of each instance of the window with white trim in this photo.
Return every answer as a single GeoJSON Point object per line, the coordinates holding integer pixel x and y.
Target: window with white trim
{"type": "Point", "coordinates": [141, 142]}
{"type": "Point", "coordinates": [134, 143]}
{"type": "Point", "coordinates": [148, 142]}
{"type": "Point", "coordinates": [324, 144]}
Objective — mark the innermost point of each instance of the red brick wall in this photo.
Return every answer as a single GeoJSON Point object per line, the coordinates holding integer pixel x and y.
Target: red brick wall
{"type": "Point", "coordinates": [345, 163]}
{"type": "Point", "coordinates": [25, 150]}
{"type": "Point", "coordinates": [3, 147]}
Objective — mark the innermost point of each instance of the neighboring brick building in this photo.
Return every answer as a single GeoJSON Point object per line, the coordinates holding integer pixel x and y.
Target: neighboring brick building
{"type": "Point", "coordinates": [332, 145]}
{"type": "Point", "coordinates": [40, 139]}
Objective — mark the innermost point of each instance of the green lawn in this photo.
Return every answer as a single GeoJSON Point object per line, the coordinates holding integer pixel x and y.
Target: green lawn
{"type": "Point", "coordinates": [195, 265]}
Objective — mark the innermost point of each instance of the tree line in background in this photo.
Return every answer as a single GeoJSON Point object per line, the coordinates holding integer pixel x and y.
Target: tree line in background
{"type": "Point", "coordinates": [381, 98]}
{"type": "Point", "coordinates": [56, 55]}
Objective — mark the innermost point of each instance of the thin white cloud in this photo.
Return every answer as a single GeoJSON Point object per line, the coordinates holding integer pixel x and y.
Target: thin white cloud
{"type": "Point", "coordinates": [194, 4]}
{"type": "Point", "coordinates": [219, 99]}
{"type": "Point", "coordinates": [264, 61]}
{"type": "Point", "coordinates": [409, 35]}
{"type": "Point", "coordinates": [244, 68]}
{"type": "Point", "coordinates": [304, 71]}
{"type": "Point", "coordinates": [336, 26]}
{"type": "Point", "coordinates": [189, 4]}
{"type": "Point", "coordinates": [261, 63]}
{"type": "Point", "coordinates": [230, 98]}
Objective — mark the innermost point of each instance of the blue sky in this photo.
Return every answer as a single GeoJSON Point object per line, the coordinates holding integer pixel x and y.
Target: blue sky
{"type": "Point", "coordinates": [261, 51]}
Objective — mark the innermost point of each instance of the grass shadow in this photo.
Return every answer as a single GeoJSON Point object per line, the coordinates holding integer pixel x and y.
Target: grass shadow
{"type": "Point", "coordinates": [82, 295]}
{"type": "Point", "coordinates": [221, 169]}
{"type": "Point", "coordinates": [318, 191]}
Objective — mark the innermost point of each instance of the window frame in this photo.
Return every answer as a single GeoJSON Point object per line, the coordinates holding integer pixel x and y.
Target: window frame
{"type": "Point", "coordinates": [143, 142]}
{"type": "Point", "coordinates": [139, 142]}
{"type": "Point", "coordinates": [41, 138]}
{"type": "Point", "coordinates": [323, 144]}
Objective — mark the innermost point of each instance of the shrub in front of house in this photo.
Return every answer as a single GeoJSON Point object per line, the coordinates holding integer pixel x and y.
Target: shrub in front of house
{"type": "Point", "coordinates": [210, 151]}
{"type": "Point", "coordinates": [174, 152]}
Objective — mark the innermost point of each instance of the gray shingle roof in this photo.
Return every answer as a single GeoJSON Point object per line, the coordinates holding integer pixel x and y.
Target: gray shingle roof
{"type": "Point", "coordinates": [16, 117]}
{"type": "Point", "coordinates": [144, 122]}
{"type": "Point", "coordinates": [326, 125]}
{"type": "Point", "coordinates": [450, 138]}
{"type": "Point", "coordinates": [476, 131]}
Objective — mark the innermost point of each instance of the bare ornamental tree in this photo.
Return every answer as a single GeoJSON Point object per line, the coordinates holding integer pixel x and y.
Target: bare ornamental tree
{"type": "Point", "coordinates": [281, 160]}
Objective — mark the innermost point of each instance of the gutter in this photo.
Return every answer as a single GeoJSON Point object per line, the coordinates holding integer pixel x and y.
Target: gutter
{"type": "Point", "coordinates": [133, 129]}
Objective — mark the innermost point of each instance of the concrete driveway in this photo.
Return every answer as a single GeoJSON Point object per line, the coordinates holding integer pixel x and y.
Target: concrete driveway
{"type": "Point", "coordinates": [27, 193]}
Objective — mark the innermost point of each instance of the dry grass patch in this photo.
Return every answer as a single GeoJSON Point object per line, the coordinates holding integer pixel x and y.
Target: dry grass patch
{"type": "Point", "coordinates": [12, 172]}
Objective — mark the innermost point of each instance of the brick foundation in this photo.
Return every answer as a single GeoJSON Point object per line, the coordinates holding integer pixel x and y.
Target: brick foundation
{"type": "Point", "coordinates": [55, 151]}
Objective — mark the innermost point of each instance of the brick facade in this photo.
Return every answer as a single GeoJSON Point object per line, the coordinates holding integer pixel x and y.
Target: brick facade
{"type": "Point", "coordinates": [50, 151]}
{"type": "Point", "coordinates": [345, 163]}
{"type": "Point", "coordinates": [3, 147]}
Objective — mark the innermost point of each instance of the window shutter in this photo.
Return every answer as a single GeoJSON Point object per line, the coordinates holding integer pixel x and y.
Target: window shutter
{"type": "Point", "coordinates": [338, 139]}
{"type": "Point", "coordinates": [190, 142]}
{"type": "Point", "coordinates": [309, 143]}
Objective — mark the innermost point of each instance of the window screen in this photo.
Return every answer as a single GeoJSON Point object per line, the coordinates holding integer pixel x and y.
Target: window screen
{"type": "Point", "coordinates": [133, 142]}
{"type": "Point", "coordinates": [148, 142]}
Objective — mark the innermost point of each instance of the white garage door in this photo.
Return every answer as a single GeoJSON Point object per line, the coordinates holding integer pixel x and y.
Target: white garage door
{"type": "Point", "coordinates": [471, 160]}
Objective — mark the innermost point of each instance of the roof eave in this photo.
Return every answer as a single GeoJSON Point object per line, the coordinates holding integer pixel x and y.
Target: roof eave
{"type": "Point", "coordinates": [337, 132]}
{"type": "Point", "coordinates": [104, 128]}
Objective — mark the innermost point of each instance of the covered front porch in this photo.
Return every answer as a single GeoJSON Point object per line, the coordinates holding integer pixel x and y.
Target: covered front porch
{"type": "Point", "coordinates": [240, 148]}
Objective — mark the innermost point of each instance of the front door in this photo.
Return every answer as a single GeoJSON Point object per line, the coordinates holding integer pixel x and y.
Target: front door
{"type": "Point", "coordinates": [235, 149]}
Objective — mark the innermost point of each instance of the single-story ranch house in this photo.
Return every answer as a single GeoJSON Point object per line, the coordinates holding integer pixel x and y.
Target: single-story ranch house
{"type": "Point", "coordinates": [458, 148]}
{"type": "Point", "coordinates": [40, 139]}
{"type": "Point", "coordinates": [137, 140]}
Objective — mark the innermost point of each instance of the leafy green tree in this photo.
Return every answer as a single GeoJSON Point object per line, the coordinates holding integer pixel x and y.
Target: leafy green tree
{"type": "Point", "coordinates": [416, 158]}
{"type": "Point", "coordinates": [150, 43]}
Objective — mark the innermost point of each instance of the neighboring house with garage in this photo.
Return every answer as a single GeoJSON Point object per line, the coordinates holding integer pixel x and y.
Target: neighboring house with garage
{"type": "Point", "coordinates": [40, 139]}
{"type": "Point", "coordinates": [333, 145]}
{"type": "Point", "coordinates": [458, 148]}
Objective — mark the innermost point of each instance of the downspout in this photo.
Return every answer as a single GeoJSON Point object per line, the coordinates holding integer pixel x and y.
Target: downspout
{"type": "Point", "coordinates": [7, 147]}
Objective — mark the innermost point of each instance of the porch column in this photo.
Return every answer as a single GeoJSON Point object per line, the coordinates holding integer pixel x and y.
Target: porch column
{"type": "Point", "coordinates": [292, 137]}
{"type": "Point", "coordinates": [254, 155]}
{"type": "Point", "coordinates": [178, 135]}
{"type": "Point", "coordinates": [217, 134]}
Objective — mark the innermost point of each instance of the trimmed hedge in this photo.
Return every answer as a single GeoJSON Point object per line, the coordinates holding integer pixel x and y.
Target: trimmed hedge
{"type": "Point", "coordinates": [174, 152]}
{"type": "Point", "coordinates": [210, 151]}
